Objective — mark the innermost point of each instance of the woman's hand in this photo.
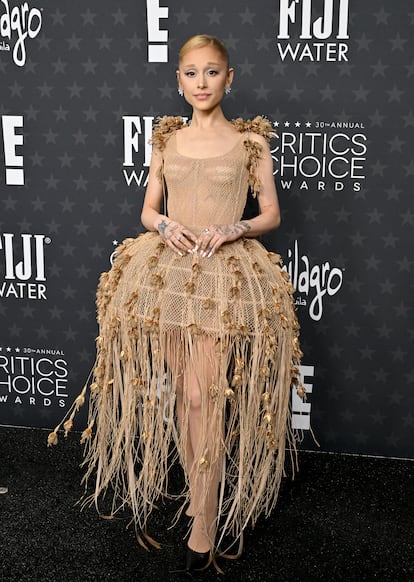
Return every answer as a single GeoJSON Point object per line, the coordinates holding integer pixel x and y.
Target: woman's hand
{"type": "Point", "coordinates": [176, 236]}
{"type": "Point", "coordinates": [215, 235]}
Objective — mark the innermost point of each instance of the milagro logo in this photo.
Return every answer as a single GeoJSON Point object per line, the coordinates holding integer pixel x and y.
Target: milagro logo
{"type": "Point", "coordinates": [16, 24]}
{"type": "Point", "coordinates": [23, 260]}
{"type": "Point", "coordinates": [137, 149]}
{"type": "Point", "coordinates": [316, 155]}
{"type": "Point", "coordinates": [312, 282]}
{"type": "Point", "coordinates": [33, 377]}
{"type": "Point", "coordinates": [317, 21]}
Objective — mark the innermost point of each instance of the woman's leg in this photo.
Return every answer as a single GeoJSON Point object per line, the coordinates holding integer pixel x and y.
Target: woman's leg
{"type": "Point", "coordinates": [176, 363]}
{"type": "Point", "coordinates": [200, 434]}
{"type": "Point", "coordinates": [205, 442]}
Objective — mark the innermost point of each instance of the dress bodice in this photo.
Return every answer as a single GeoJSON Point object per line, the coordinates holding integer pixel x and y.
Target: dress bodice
{"type": "Point", "coordinates": [204, 191]}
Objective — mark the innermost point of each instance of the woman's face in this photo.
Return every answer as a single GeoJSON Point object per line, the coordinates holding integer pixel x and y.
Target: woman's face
{"type": "Point", "coordinates": [202, 74]}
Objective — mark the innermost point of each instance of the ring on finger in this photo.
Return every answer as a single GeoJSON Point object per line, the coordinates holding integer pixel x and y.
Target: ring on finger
{"type": "Point", "coordinates": [207, 231]}
{"type": "Point", "coordinates": [179, 236]}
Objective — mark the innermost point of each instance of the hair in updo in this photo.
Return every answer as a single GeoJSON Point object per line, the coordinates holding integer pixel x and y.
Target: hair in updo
{"type": "Point", "coordinates": [200, 41]}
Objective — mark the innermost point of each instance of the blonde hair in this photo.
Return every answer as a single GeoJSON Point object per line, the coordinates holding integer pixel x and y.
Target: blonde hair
{"type": "Point", "coordinates": [200, 41]}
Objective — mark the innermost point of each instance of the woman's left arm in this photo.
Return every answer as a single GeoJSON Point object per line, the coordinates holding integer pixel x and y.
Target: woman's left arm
{"type": "Point", "coordinates": [269, 218]}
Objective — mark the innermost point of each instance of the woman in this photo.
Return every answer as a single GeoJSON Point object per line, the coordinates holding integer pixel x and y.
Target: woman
{"type": "Point", "coordinates": [198, 344]}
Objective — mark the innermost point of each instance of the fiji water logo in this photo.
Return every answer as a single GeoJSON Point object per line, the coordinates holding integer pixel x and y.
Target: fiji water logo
{"type": "Point", "coordinates": [23, 259]}
{"type": "Point", "coordinates": [137, 137]}
{"type": "Point", "coordinates": [17, 24]}
{"type": "Point", "coordinates": [312, 283]}
{"type": "Point", "coordinates": [137, 132]}
{"type": "Point", "coordinates": [313, 22]}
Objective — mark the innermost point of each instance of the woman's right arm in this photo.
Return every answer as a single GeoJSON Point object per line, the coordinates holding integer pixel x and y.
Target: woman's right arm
{"type": "Point", "coordinates": [175, 235]}
{"type": "Point", "coordinates": [150, 215]}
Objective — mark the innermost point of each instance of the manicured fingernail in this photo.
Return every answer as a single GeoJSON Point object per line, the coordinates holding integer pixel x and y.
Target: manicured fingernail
{"type": "Point", "coordinates": [209, 254]}
{"type": "Point", "coordinates": [196, 248]}
{"type": "Point", "coordinates": [203, 254]}
{"type": "Point", "coordinates": [181, 254]}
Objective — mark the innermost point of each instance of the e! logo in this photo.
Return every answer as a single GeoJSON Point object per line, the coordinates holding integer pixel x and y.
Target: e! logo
{"type": "Point", "coordinates": [12, 161]}
{"type": "Point", "coordinates": [157, 53]}
{"type": "Point", "coordinates": [301, 410]}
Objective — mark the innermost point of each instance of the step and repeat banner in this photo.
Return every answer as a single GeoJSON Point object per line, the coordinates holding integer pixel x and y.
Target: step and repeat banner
{"type": "Point", "coordinates": [80, 87]}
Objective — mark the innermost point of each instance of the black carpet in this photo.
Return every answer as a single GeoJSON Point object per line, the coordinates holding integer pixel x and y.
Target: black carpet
{"type": "Point", "coordinates": [343, 518]}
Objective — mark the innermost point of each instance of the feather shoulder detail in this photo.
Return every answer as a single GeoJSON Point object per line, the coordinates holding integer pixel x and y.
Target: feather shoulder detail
{"type": "Point", "coordinates": [259, 125]}
{"type": "Point", "coordinates": [163, 128]}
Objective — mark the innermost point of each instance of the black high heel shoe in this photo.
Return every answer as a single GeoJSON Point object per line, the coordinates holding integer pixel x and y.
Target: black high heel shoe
{"type": "Point", "coordinates": [196, 561]}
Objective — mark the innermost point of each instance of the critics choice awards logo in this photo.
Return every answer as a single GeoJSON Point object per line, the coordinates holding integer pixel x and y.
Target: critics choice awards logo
{"type": "Point", "coordinates": [320, 155]}
{"type": "Point", "coordinates": [33, 377]}
{"type": "Point", "coordinates": [313, 30]}
{"type": "Point", "coordinates": [17, 24]}
{"type": "Point", "coordinates": [23, 274]}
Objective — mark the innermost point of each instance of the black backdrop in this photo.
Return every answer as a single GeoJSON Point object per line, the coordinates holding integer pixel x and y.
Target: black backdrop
{"type": "Point", "coordinates": [80, 85]}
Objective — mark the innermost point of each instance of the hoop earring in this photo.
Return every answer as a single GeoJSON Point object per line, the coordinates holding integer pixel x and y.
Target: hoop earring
{"type": "Point", "coordinates": [227, 90]}
{"type": "Point", "coordinates": [180, 92]}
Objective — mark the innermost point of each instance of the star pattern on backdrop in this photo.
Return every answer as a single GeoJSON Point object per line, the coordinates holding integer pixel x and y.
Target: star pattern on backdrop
{"type": "Point", "coordinates": [88, 69]}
